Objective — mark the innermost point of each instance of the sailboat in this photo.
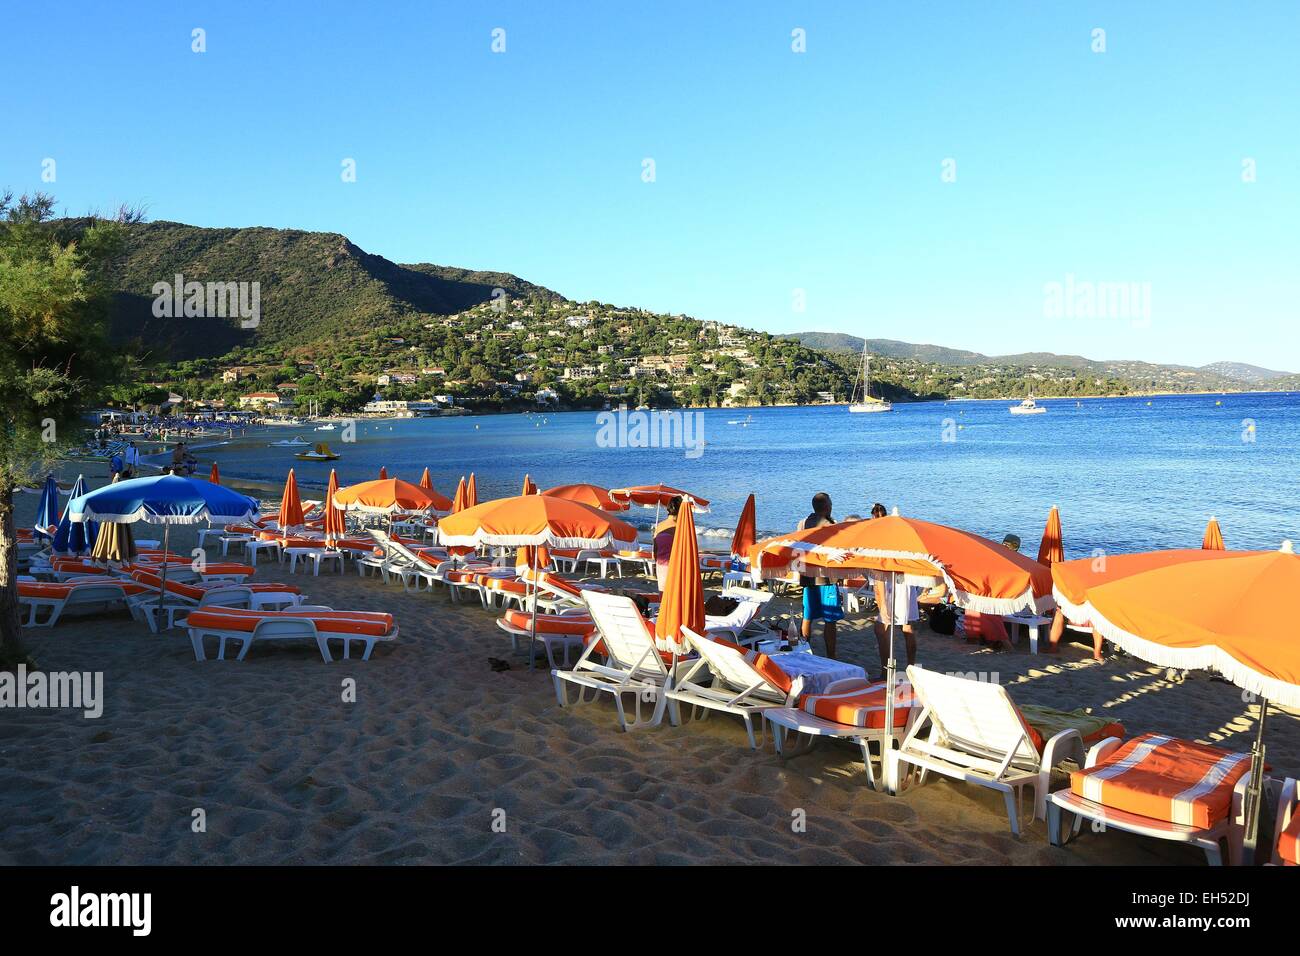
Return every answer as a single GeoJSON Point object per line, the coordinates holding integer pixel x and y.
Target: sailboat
{"type": "Point", "coordinates": [321, 453]}
{"type": "Point", "coordinates": [866, 403]}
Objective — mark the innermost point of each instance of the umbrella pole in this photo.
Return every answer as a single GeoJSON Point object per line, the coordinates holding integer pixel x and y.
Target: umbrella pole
{"type": "Point", "coordinates": [162, 589]}
{"type": "Point", "coordinates": [532, 632]}
{"type": "Point", "coordinates": [1255, 793]}
{"type": "Point", "coordinates": [891, 667]}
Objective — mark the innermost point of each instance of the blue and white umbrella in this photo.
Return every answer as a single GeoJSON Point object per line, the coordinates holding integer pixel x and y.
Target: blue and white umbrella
{"type": "Point", "coordinates": [47, 509]}
{"type": "Point", "coordinates": [76, 537]}
{"type": "Point", "coordinates": [164, 500]}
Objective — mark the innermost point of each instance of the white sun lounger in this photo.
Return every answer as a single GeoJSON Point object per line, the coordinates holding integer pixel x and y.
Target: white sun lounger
{"type": "Point", "coordinates": [722, 680]}
{"type": "Point", "coordinates": [976, 735]}
{"type": "Point", "coordinates": [284, 629]}
{"type": "Point", "coordinates": [91, 595]}
{"type": "Point", "coordinates": [632, 666]}
{"type": "Point", "coordinates": [740, 626]}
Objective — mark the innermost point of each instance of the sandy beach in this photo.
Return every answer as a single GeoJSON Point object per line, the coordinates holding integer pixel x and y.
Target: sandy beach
{"type": "Point", "coordinates": [436, 744]}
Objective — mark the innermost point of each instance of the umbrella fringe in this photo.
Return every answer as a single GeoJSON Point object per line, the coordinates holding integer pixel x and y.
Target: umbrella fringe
{"type": "Point", "coordinates": [144, 514]}
{"type": "Point", "coordinates": [1074, 613]}
{"type": "Point", "coordinates": [516, 540]}
{"type": "Point", "coordinates": [1206, 657]}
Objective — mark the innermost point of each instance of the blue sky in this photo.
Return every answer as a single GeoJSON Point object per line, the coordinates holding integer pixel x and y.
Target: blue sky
{"type": "Point", "coordinates": [775, 171]}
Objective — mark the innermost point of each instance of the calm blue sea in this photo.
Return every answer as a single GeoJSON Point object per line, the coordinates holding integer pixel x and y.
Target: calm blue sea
{"type": "Point", "coordinates": [1128, 474]}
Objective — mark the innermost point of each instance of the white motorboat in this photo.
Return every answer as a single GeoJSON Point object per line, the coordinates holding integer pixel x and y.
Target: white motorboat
{"type": "Point", "coordinates": [294, 442]}
{"type": "Point", "coordinates": [1028, 407]}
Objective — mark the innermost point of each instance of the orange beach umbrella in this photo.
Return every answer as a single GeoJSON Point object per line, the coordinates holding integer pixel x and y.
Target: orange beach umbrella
{"type": "Point", "coordinates": [530, 486]}
{"type": "Point", "coordinates": [214, 476]}
{"type": "Point", "coordinates": [593, 496]}
{"type": "Point", "coordinates": [290, 504]}
{"type": "Point", "coordinates": [384, 496]}
{"type": "Point", "coordinates": [471, 492]}
{"type": "Point", "coordinates": [383, 472]}
{"type": "Point", "coordinates": [335, 520]}
{"type": "Point", "coordinates": [1051, 549]}
{"type": "Point", "coordinates": [1212, 540]}
{"type": "Point", "coordinates": [1073, 580]}
{"type": "Point", "coordinates": [459, 503]}
{"type": "Point", "coordinates": [981, 574]}
{"type": "Point", "coordinates": [1213, 615]}
{"type": "Point", "coordinates": [682, 603]}
{"type": "Point", "coordinates": [654, 496]}
{"type": "Point", "coordinates": [425, 481]}
{"type": "Point", "coordinates": [743, 539]}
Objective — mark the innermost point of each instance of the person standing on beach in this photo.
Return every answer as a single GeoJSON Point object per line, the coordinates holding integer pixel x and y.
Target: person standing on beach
{"type": "Point", "coordinates": [895, 605]}
{"type": "Point", "coordinates": [115, 466]}
{"type": "Point", "coordinates": [665, 531]}
{"type": "Point", "coordinates": [813, 607]}
{"type": "Point", "coordinates": [132, 460]}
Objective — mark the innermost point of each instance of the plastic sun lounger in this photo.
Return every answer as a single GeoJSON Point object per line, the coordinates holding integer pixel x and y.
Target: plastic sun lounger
{"type": "Point", "coordinates": [565, 632]}
{"type": "Point", "coordinates": [978, 736]}
{"type": "Point", "coordinates": [851, 709]}
{"type": "Point", "coordinates": [737, 685]}
{"type": "Point", "coordinates": [1286, 827]}
{"type": "Point", "coordinates": [1187, 793]}
{"type": "Point", "coordinates": [315, 623]}
{"type": "Point", "coordinates": [58, 598]}
{"type": "Point", "coordinates": [740, 626]}
{"type": "Point", "coordinates": [182, 598]}
{"type": "Point", "coordinates": [633, 665]}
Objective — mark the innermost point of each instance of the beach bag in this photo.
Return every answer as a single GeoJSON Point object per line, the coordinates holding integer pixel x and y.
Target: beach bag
{"type": "Point", "coordinates": [943, 619]}
{"type": "Point", "coordinates": [719, 606]}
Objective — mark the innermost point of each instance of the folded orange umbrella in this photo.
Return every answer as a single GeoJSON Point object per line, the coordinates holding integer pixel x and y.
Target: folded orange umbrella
{"type": "Point", "coordinates": [471, 492]}
{"type": "Point", "coordinates": [459, 503]}
{"type": "Point", "coordinates": [1051, 549]}
{"type": "Point", "coordinates": [682, 602]}
{"type": "Point", "coordinates": [1211, 541]}
{"type": "Point", "coordinates": [743, 539]}
{"type": "Point", "coordinates": [425, 481]}
{"type": "Point", "coordinates": [215, 476]}
{"type": "Point", "coordinates": [383, 472]}
{"type": "Point", "coordinates": [530, 488]}
{"type": "Point", "coordinates": [335, 522]}
{"type": "Point", "coordinates": [290, 504]}
{"type": "Point", "coordinates": [384, 496]}
{"type": "Point", "coordinates": [593, 496]}
{"type": "Point", "coordinates": [981, 574]}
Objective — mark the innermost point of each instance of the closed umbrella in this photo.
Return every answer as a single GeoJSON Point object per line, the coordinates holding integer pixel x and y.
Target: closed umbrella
{"type": "Point", "coordinates": [530, 486]}
{"type": "Point", "coordinates": [74, 538]}
{"type": "Point", "coordinates": [1213, 538]}
{"type": "Point", "coordinates": [459, 503]}
{"type": "Point", "coordinates": [290, 505]}
{"type": "Point", "coordinates": [335, 524]}
{"type": "Point", "coordinates": [1051, 549]}
{"type": "Point", "coordinates": [114, 543]}
{"type": "Point", "coordinates": [164, 500]}
{"type": "Point", "coordinates": [214, 476]}
{"type": "Point", "coordinates": [533, 520]}
{"type": "Point", "coordinates": [1213, 615]}
{"type": "Point", "coordinates": [425, 481]}
{"type": "Point", "coordinates": [471, 492]}
{"type": "Point", "coordinates": [383, 473]}
{"type": "Point", "coordinates": [682, 602]}
{"type": "Point", "coordinates": [743, 538]}
{"type": "Point", "coordinates": [47, 509]}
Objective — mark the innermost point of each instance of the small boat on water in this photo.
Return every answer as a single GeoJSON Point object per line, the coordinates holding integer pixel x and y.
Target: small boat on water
{"type": "Point", "coordinates": [320, 453]}
{"type": "Point", "coordinates": [1028, 407]}
{"type": "Point", "coordinates": [866, 402]}
{"type": "Point", "coordinates": [294, 442]}
{"type": "Point", "coordinates": [326, 428]}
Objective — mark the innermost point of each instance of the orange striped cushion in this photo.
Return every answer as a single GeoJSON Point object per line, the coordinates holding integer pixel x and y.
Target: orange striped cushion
{"type": "Point", "coordinates": [763, 664]}
{"type": "Point", "coordinates": [1288, 842]}
{"type": "Point", "coordinates": [1164, 778]}
{"type": "Point", "coordinates": [551, 623]}
{"type": "Point", "coordinates": [506, 585]}
{"type": "Point", "coordinates": [370, 623]}
{"type": "Point", "coordinates": [861, 706]}
{"type": "Point", "coordinates": [46, 589]}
